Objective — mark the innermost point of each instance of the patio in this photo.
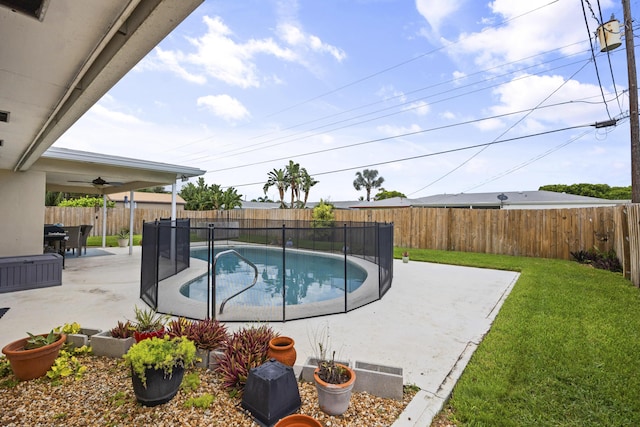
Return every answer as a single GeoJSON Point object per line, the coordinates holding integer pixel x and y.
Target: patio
{"type": "Point", "coordinates": [436, 314]}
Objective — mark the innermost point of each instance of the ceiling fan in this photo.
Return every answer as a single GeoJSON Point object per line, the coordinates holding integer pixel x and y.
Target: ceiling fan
{"type": "Point", "coordinates": [99, 182]}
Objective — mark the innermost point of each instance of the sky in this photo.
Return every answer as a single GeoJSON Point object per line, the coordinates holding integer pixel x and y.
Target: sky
{"type": "Point", "coordinates": [438, 96]}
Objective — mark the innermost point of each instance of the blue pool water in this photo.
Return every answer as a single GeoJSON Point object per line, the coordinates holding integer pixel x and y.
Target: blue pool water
{"type": "Point", "coordinates": [309, 277]}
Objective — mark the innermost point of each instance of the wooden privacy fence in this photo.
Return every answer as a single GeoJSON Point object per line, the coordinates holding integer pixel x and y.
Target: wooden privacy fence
{"type": "Point", "coordinates": [545, 233]}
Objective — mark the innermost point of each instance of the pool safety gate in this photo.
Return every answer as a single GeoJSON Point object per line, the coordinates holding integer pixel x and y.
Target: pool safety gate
{"type": "Point", "coordinates": [167, 267]}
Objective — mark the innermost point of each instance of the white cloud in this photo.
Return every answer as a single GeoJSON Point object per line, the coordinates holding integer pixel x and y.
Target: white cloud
{"type": "Point", "coordinates": [224, 106]}
{"type": "Point", "coordinates": [530, 28]}
{"type": "Point", "coordinates": [219, 54]}
{"type": "Point", "coordinates": [527, 91]}
{"type": "Point", "coordinates": [391, 130]}
{"type": "Point", "coordinates": [435, 12]}
{"type": "Point", "coordinates": [419, 108]}
{"type": "Point", "coordinates": [115, 116]}
{"type": "Point", "coordinates": [295, 37]}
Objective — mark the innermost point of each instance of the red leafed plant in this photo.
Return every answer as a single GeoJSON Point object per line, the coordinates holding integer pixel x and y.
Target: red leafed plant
{"type": "Point", "coordinates": [207, 334]}
{"type": "Point", "coordinates": [123, 330]}
{"type": "Point", "coordinates": [245, 349]}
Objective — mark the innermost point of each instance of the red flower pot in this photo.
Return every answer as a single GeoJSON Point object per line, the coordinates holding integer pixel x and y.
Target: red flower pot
{"type": "Point", "coordinates": [139, 336]}
{"type": "Point", "coordinates": [281, 349]}
{"type": "Point", "coordinates": [33, 363]}
{"type": "Point", "coordinates": [298, 420]}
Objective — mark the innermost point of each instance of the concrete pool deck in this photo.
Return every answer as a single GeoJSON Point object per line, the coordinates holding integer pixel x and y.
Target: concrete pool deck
{"type": "Point", "coordinates": [428, 324]}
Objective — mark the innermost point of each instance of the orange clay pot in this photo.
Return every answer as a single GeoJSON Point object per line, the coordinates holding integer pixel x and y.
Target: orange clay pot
{"type": "Point", "coordinates": [281, 349]}
{"type": "Point", "coordinates": [34, 363]}
{"type": "Point", "coordinates": [298, 420]}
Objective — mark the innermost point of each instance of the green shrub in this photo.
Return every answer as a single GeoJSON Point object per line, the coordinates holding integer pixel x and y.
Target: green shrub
{"type": "Point", "coordinates": [160, 353]}
{"type": "Point", "coordinates": [202, 402]}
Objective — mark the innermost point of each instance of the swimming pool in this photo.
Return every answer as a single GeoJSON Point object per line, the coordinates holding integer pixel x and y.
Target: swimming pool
{"type": "Point", "coordinates": [310, 277]}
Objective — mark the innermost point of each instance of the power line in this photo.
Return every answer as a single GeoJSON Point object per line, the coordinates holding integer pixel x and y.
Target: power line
{"type": "Point", "coordinates": [506, 131]}
{"type": "Point", "coordinates": [498, 116]}
{"type": "Point", "coordinates": [593, 56]}
{"type": "Point", "coordinates": [453, 150]}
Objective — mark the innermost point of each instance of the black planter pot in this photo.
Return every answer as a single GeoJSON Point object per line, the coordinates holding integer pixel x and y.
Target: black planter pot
{"type": "Point", "coordinates": [160, 388]}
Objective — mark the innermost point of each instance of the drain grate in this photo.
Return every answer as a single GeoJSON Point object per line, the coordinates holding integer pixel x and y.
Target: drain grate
{"type": "Point", "coordinates": [3, 311]}
{"type": "Point", "coordinates": [4, 116]}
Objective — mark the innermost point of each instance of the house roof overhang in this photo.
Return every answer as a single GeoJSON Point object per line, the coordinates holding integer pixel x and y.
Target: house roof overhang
{"type": "Point", "coordinates": [56, 65]}
{"type": "Point", "coordinates": [73, 171]}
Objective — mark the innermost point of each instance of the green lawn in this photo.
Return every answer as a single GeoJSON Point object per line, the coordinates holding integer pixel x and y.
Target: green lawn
{"type": "Point", "coordinates": [112, 241]}
{"type": "Point", "coordinates": [563, 351]}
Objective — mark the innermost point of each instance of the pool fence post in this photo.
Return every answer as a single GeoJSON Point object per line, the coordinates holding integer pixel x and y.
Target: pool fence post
{"type": "Point", "coordinates": [211, 291]}
{"type": "Point", "coordinates": [284, 274]}
{"type": "Point", "coordinates": [344, 249]}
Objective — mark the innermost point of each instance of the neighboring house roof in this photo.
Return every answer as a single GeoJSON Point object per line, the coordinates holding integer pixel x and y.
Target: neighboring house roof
{"type": "Point", "coordinates": [144, 197]}
{"type": "Point", "coordinates": [259, 205]}
{"type": "Point", "coordinates": [492, 200]}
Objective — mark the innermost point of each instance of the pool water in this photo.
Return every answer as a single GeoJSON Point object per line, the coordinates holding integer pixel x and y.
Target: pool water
{"type": "Point", "coordinates": [309, 277]}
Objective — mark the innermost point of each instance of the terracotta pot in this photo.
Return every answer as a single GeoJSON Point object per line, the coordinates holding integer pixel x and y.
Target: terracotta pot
{"type": "Point", "coordinates": [281, 349]}
{"type": "Point", "coordinates": [34, 363]}
{"type": "Point", "coordinates": [333, 399]}
{"type": "Point", "coordinates": [139, 336]}
{"type": "Point", "coordinates": [298, 420]}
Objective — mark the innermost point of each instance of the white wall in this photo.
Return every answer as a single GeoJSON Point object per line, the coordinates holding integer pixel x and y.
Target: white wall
{"type": "Point", "coordinates": [21, 212]}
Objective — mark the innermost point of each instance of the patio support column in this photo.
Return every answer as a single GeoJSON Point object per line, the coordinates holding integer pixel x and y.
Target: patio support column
{"type": "Point", "coordinates": [131, 217]}
{"type": "Point", "coordinates": [104, 221]}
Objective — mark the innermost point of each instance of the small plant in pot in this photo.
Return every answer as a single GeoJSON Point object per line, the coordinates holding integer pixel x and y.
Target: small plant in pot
{"type": "Point", "coordinates": [405, 256]}
{"type": "Point", "coordinates": [157, 367]}
{"type": "Point", "coordinates": [114, 342]}
{"type": "Point", "coordinates": [123, 237]}
{"type": "Point", "coordinates": [334, 381]}
{"type": "Point", "coordinates": [32, 357]}
{"type": "Point", "coordinates": [148, 324]}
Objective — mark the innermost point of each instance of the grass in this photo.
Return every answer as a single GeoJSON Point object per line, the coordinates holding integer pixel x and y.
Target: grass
{"type": "Point", "coordinates": [563, 351]}
{"type": "Point", "coordinates": [112, 241]}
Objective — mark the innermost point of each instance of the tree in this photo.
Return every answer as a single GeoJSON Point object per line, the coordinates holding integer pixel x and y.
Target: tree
{"type": "Point", "coordinates": [231, 199]}
{"type": "Point", "coordinates": [293, 180]}
{"type": "Point", "coordinates": [262, 199]}
{"type": "Point", "coordinates": [384, 194]}
{"type": "Point", "coordinates": [323, 215]}
{"type": "Point", "coordinates": [278, 178]}
{"type": "Point", "coordinates": [602, 191]}
{"type": "Point", "coordinates": [306, 182]}
{"type": "Point", "coordinates": [204, 197]}
{"type": "Point", "coordinates": [367, 180]}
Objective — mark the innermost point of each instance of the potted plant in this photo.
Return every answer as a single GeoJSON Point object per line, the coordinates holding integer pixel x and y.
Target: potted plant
{"type": "Point", "coordinates": [208, 335]}
{"type": "Point", "coordinates": [405, 256]}
{"type": "Point", "coordinates": [123, 237]}
{"type": "Point", "coordinates": [334, 381]}
{"type": "Point", "coordinates": [148, 323]}
{"type": "Point", "coordinates": [114, 342]}
{"type": "Point", "coordinates": [157, 367]}
{"type": "Point", "coordinates": [33, 356]}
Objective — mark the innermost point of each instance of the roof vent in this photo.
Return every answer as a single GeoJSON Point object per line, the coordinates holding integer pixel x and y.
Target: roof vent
{"type": "Point", "coordinates": [32, 8]}
{"type": "Point", "coordinates": [4, 116]}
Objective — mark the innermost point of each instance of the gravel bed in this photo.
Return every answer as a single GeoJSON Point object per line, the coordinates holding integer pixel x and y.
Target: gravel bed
{"type": "Point", "coordinates": [104, 397]}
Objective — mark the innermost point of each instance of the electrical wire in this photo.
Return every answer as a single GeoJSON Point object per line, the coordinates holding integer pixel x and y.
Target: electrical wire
{"type": "Point", "coordinates": [452, 150]}
{"type": "Point", "coordinates": [593, 55]}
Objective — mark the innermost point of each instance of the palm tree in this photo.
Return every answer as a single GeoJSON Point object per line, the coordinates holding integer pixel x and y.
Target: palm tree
{"type": "Point", "coordinates": [231, 199]}
{"type": "Point", "coordinates": [293, 179]}
{"type": "Point", "coordinates": [367, 180]}
{"type": "Point", "coordinates": [306, 182]}
{"type": "Point", "coordinates": [278, 178]}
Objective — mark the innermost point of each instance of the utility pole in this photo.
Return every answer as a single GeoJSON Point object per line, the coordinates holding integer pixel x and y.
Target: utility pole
{"type": "Point", "coordinates": [633, 103]}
